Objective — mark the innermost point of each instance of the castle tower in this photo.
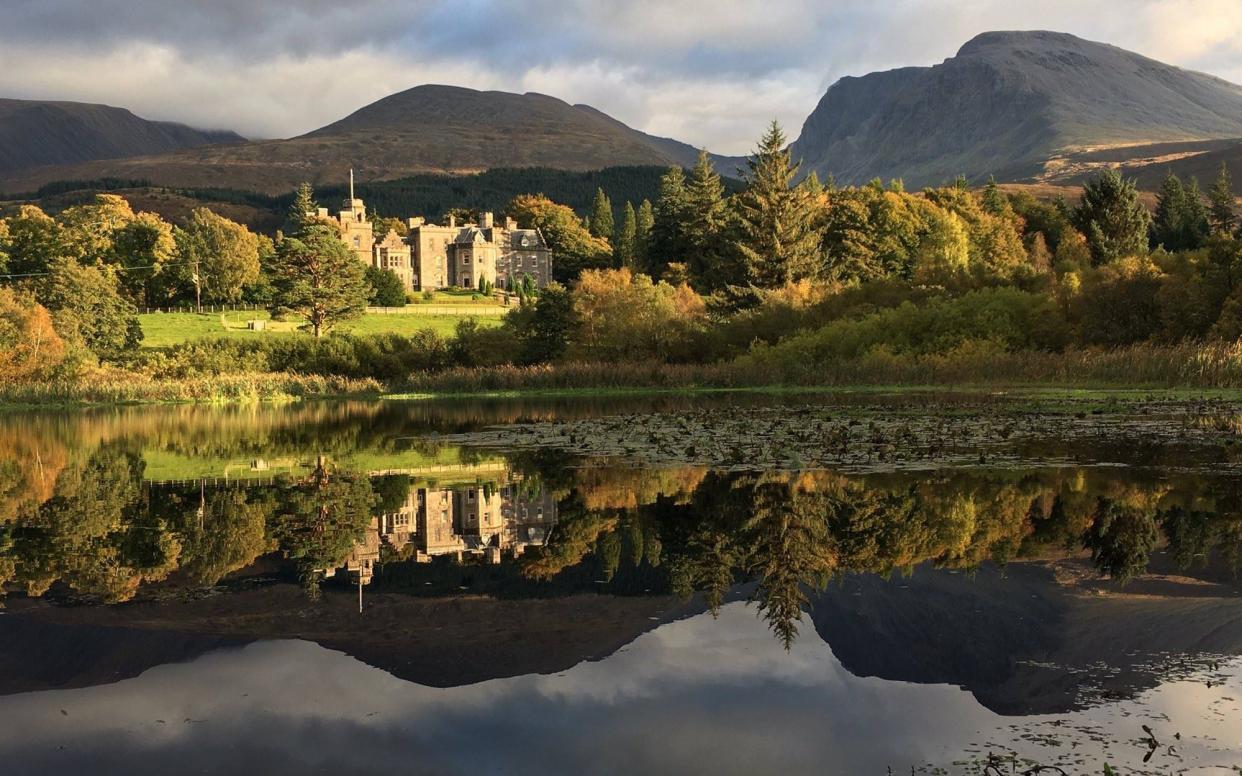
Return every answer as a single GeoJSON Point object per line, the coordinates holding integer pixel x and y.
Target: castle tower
{"type": "Point", "coordinates": [356, 230]}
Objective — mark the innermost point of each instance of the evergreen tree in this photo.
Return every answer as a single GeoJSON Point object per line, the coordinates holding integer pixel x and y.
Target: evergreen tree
{"type": "Point", "coordinates": [1166, 227]}
{"type": "Point", "coordinates": [601, 222]}
{"type": "Point", "coordinates": [778, 240]}
{"type": "Point", "coordinates": [703, 225]}
{"type": "Point", "coordinates": [1196, 219]}
{"type": "Point", "coordinates": [317, 276]}
{"type": "Point", "coordinates": [667, 243]}
{"type": "Point", "coordinates": [387, 289]}
{"type": "Point", "coordinates": [811, 184]}
{"type": "Point", "coordinates": [1113, 219]}
{"type": "Point", "coordinates": [1223, 216]}
{"type": "Point", "coordinates": [625, 241]}
{"type": "Point", "coordinates": [993, 201]}
{"type": "Point", "coordinates": [303, 213]}
{"type": "Point", "coordinates": [642, 236]}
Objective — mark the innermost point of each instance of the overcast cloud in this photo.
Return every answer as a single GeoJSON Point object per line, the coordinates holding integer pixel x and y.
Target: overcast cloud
{"type": "Point", "coordinates": [708, 72]}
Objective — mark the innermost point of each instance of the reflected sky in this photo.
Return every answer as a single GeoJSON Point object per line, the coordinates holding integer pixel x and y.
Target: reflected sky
{"type": "Point", "coordinates": [700, 695]}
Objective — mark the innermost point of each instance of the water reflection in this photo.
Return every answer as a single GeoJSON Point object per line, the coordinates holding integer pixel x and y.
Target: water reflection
{"type": "Point", "coordinates": [1039, 588]}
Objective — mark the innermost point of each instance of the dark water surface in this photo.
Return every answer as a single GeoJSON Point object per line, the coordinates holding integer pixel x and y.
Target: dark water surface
{"type": "Point", "coordinates": [735, 584]}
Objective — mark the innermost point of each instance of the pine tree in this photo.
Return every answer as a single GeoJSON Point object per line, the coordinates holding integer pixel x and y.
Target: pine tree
{"type": "Point", "coordinates": [811, 184]}
{"type": "Point", "coordinates": [1196, 225]}
{"type": "Point", "coordinates": [993, 201]}
{"type": "Point", "coordinates": [625, 242]}
{"type": "Point", "coordinates": [703, 225]}
{"type": "Point", "coordinates": [778, 238]}
{"type": "Point", "coordinates": [1223, 216]}
{"type": "Point", "coordinates": [601, 222]}
{"type": "Point", "coordinates": [1113, 219]}
{"type": "Point", "coordinates": [316, 275]}
{"type": "Point", "coordinates": [642, 237]}
{"type": "Point", "coordinates": [304, 211]}
{"type": "Point", "coordinates": [1166, 227]}
{"type": "Point", "coordinates": [667, 243]}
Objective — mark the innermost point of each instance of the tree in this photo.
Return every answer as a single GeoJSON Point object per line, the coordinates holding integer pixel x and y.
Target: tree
{"type": "Point", "coordinates": [778, 238]}
{"type": "Point", "coordinates": [667, 242]}
{"type": "Point", "coordinates": [29, 344]}
{"type": "Point", "coordinates": [319, 277]}
{"type": "Point", "coordinates": [993, 201]}
{"type": "Point", "coordinates": [1222, 202]}
{"type": "Point", "coordinates": [944, 252]}
{"type": "Point", "coordinates": [1166, 226]}
{"type": "Point", "coordinates": [703, 226]}
{"type": "Point", "coordinates": [642, 235]}
{"type": "Point", "coordinates": [621, 316]}
{"type": "Point", "coordinates": [89, 231]}
{"type": "Point", "coordinates": [1112, 218]}
{"type": "Point", "coordinates": [545, 328]}
{"type": "Point", "coordinates": [218, 257]}
{"type": "Point", "coordinates": [625, 241]}
{"type": "Point", "coordinates": [602, 222]}
{"type": "Point", "coordinates": [88, 308]}
{"type": "Point", "coordinates": [387, 289]}
{"type": "Point", "coordinates": [572, 245]}
{"type": "Point", "coordinates": [303, 213]}
{"type": "Point", "coordinates": [34, 241]}
{"type": "Point", "coordinates": [142, 247]}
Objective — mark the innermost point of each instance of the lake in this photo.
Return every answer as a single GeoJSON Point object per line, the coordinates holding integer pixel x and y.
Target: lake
{"type": "Point", "coordinates": [823, 583]}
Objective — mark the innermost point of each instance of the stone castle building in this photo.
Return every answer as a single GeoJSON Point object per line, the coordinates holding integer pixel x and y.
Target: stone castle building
{"type": "Point", "coordinates": [469, 521]}
{"type": "Point", "coordinates": [432, 257]}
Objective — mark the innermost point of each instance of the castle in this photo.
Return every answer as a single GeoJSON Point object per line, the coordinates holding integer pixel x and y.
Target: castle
{"type": "Point", "coordinates": [471, 520]}
{"type": "Point", "coordinates": [432, 257]}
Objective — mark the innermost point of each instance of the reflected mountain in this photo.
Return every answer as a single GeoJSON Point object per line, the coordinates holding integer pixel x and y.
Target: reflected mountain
{"type": "Point", "coordinates": [134, 538]}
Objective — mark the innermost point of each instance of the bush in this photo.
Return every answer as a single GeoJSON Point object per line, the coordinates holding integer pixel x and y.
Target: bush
{"type": "Point", "coordinates": [1009, 319]}
{"type": "Point", "coordinates": [378, 356]}
{"type": "Point", "coordinates": [387, 289]}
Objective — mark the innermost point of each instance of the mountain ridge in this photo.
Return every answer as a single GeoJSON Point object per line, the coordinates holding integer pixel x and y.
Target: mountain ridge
{"type": "Point", "coordinates": [1006, 103]}
{"type": "Point", "coordinates": [44, 132]}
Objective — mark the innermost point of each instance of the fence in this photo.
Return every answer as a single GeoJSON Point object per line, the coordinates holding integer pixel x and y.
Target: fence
{"type": "Point", "coordinates": [413, 309]}
{"type": "Point", "coordinates": [207, 308]}
{"type": "Point", "coordinates": [441, 309]}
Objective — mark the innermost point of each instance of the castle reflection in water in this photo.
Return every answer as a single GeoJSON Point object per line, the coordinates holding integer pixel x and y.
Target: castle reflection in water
{"type": "Point", "coordinates": [485, 521]}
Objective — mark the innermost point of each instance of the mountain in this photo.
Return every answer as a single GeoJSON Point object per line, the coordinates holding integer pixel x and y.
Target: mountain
{"type": "Point", "coordinates": [39, 132]}
{"type": "Point", "coordinates": [1013, 105]}
{"type": "Point", "coordinates": [426, 129]}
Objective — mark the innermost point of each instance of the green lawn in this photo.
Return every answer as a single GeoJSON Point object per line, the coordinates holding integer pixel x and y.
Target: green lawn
{"type": "Point", "coordinates": [161, 330]}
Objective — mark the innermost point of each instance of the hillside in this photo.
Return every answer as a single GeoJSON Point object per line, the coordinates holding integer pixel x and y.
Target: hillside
{"type": "Point", "coordinates": [36, 132]}
{"type": "Point", "coordinates": [427, 129]}
{"type": "Point", "coordinates": [1007, 104]}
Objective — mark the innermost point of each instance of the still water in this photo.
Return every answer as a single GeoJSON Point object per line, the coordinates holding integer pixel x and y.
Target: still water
{"type": "Point", "coordinates": [929, 585]}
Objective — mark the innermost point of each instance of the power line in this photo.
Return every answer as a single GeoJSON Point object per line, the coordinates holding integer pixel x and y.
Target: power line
{"type": "Point", "coordinates": [119, 267]}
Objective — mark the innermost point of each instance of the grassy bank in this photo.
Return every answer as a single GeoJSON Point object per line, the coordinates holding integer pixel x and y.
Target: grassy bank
{"type": "Point", "coordinates": [1187, 366]}
{"type": "Point", "coordinates": [162, 330]}
{"type": "Point", "coordinates": [1193, 370]}
{"type": "Point", "coordinates": [108, 387]}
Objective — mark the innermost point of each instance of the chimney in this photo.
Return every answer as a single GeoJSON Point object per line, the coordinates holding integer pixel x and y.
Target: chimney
{"type": "Point", "coordinates": [486, 220]}
{"type": "Point", "coordinates": [415, 222]}
{"type": "Point", "coordinates": [510, 223]}
{"type": "Point", "coordinates": [452, 222]}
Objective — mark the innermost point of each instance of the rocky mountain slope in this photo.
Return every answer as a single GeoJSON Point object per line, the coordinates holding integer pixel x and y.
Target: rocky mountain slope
{"type": "Point", "coordinates": [1007, 104]}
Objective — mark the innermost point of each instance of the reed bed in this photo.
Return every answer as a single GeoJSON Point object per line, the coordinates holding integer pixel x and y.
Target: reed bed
{"type": "Point", "coordinates": [114, 387]}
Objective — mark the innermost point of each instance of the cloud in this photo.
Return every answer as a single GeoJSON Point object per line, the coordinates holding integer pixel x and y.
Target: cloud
{"type": "Point", "coordinates": [709, 72]}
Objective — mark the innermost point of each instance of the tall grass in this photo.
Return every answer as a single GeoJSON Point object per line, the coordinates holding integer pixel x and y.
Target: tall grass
{"type": "Point", "coordinates": [972, 363]}
{"type": "Point", "coordinates": [116, 387]}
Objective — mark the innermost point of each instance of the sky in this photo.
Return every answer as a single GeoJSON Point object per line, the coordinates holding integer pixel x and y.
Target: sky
{"type": "Point", "coordinates": [707, 72]}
